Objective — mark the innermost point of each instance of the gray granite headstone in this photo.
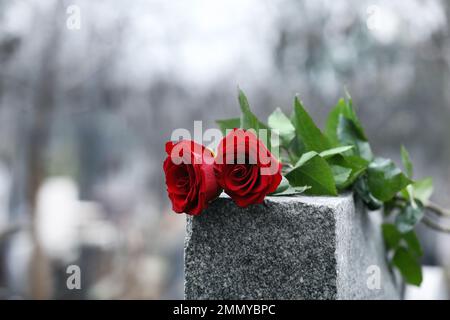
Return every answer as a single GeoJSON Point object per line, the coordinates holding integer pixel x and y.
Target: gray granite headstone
{"type": "Point", "coordinates": [289, 248]}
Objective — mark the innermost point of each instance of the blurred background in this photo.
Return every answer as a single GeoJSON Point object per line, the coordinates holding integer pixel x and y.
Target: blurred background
{"type": "Point", "coordinates": [91, 90]}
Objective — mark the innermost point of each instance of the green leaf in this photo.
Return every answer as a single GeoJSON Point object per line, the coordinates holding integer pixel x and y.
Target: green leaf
{"type": "Point", "coordinates": [305, 158]}
{"type": "Point", "coordinates": [393, 238]}
{"type": "Point", "coordinates": [423, 189]}
{"type": "Point", "coordinates": [312, 170]}
{"type": "Point", "coordinates": [385, 179]}
{"type": "Point", "coordinates": [356, 161]}
{"type": "Point", "coordinates": [333, 121]}
{"type": "Point", "coordinates": [408, 266]}
{"type": "Point", "coordinates": [284, 185]}
{"type": "Point", "coordinates": [413, 243]}
{"type": "Point", "coordinates": [285, 189]}
{"type": "Point", "coordinates": [334, 151]}
{"type": "Point", "coordinates": [391, 235]}
{"type": "Point", "coordinates": [351, 114]}
{"type": "Point", "coordinates": [345, 109]}
{"type": "Point", "coordinates": [389, 207]}
{"type": "Point", "coordinates": [341, 175]}
{"type": "Point", "coordinates": [307, 131]}
{"type": "Point", "coordinates": [291, 191]}
{"type": "Point", "coordinates": [408, 217]}
{"type": "Point", "coordinates": [250, 121]}
{"type": "Point", "coordinates": [228, 124]}
{"type": "Point", "coordinates": [296, 149]}
{"type": "Point", "coordinates": [361, 188]}
{"type": "Point", "coordinates": [349, 134]}
{"type": "Point", "coordinates": [279, 121]}
{"type": "Point", "coordinates": [357, 165]}
{"type": "Point", "coordinates": [406, 160]}
{"type": "Point", "coordinates": [408, 193]}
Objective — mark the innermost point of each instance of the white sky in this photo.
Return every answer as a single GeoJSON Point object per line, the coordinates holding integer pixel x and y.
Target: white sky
{"type": "Point", "coordinates": [200, 41]}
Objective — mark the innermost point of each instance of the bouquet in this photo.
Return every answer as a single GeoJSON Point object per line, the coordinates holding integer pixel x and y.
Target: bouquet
{"type": "Point", "coordinates": [290, 155]}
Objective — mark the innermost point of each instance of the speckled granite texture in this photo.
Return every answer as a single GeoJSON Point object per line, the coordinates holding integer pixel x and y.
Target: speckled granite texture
{"type": "Point", "coordinates": [290, 248]}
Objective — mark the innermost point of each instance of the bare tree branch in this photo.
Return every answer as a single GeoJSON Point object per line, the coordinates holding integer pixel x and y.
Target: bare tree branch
{"type": "Point", "coordinates": [10, 230]}
{"type": "Point", "coordinates": [435, 226]}
{"type": "Point", "coordinates": [436, 209]}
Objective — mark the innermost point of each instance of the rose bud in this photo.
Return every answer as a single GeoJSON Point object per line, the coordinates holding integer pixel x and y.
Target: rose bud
{"type": "Point", "coordinates": [245, 168]}
{"type": "Point", "coordinates": [190, 180]}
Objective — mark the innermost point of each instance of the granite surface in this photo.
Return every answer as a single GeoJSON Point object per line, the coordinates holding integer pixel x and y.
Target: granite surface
{"type": "Point", "coordinates": [289, 248]}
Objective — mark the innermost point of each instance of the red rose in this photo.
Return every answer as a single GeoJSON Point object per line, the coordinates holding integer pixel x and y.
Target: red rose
{"type": "Point", "coordinates": [190, 180]}
{"type": "Point", "coordinates": [245, 168]}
